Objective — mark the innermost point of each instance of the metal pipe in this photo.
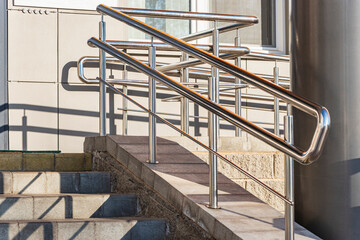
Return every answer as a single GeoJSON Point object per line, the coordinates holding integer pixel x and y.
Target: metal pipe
{"type": "Point", "coordinates": [125, 103]}
{"type": "Point", "coordinates": [276, 104]}
{"type": "Point", "coordinates": [279, 195]}
{"type": "Point", "coordinates": [138, 12]}
{"type": "Point", "coordinates": [238, 81]}
{"type": "Point", "coordinates": [289, 181]}
{"type": "Point", "coordinates": [209, 32]}
{"type": "Point", "coordinates": [269, 56]}
{"type": "Point", "coordinates": [102, 74]}
{"type": "Point", "coordinates": [167, 47]}
{"type": "Point", "coordinates": [189, 63]}
{"type": "Point", "coordinates": [304, 157]}
{"type": "Point", "coordinates": [320, 113]}
{"type": "Point", "coordinates": [213, 125]}
{"type": "Point", "coordinates": [165, 68]}
{"type": "Point", "coordinates": [184, 112]}
{"type": "Point", "coordinates": [152, 107]}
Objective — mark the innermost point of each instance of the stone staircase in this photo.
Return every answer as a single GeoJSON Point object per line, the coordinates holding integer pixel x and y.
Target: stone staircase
{"type": "Point", "coordinates": [57, 196]}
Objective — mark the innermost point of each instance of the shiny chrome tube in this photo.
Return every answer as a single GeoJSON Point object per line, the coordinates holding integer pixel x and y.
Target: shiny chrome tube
{"type": "Point", "coordinates": [205, 74]}
{"type": "Point", "coordinates": [152, 108]}
{"type": "Point", "coordinates": [269, 56]}
{"type": "Point", "coordinates": [289, 181]}
{"type": "Point", "coordinates": [189, 63]}
{"type": "Point", "coordinates": [238, 81]}
{"type": "Point", "coordinates": [271, 139]}
{"type": "Point", "coordinates": [184, 105]}
{"type": "Point", "coordinates": [102, 74]}
{"type": "Point", "coordinates": [276, 104]}
{"type": "Point", "coordinates": [166, 47]}
{"type": "Point", "coordinates": [322, 115]}
{"type": "Point", "coordinates": [279, 195]}
{"type": "Point", "coordinates": [138, 12]}
{"type": "Point", "coordinates": [209, 32]}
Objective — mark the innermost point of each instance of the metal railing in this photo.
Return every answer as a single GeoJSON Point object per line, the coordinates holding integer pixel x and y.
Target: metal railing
{"type": "Point", "coordinates": [284, 145]}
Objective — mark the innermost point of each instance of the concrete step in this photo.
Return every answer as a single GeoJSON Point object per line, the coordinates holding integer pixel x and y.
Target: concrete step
{"type": "Point", "coordinates": [119, 228]}
{"type": "Point", "coordinates": [63, 162]}
{"type": "Point", "coordinates": [54, 182]}
{"type": "Point", "coordinates": [62, 206]}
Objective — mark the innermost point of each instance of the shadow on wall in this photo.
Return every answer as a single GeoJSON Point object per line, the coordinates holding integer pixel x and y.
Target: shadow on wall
{"type": "Point", "coordinates": [196, 123]}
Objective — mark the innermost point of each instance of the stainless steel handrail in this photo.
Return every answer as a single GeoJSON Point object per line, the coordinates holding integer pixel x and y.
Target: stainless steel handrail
{"type": "Point", "coordinates": [186, 134]}
{"type": "Point", "coordinates": [204, 74]}
{"type": "Point", "coordinates": [321, 113]}
{"type": "Point", "coordinates": [268, 56]}
{"type": "Point", "coordinates": [235, 51]}
{"type": "Point", "coordinates": [209, 32]}
{"type": "Point", "coordinates": [138, 12]}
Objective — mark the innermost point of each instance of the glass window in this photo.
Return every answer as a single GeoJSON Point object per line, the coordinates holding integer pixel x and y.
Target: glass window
{"type": "Point", "coordinates": [262, 33]}
{"type": "Point", "coordinates": [174, 27]}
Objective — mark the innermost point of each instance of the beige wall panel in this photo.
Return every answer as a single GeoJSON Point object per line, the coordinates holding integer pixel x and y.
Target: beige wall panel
{"type": "Point", "coordinates": [74, 31]}
{"type": "Point", "coordinates": [33, 114]}
{"type": "Point", "coordinates": [262, 67]}
{"type": "Point", "coordinates": [32, 47]}
{"type": "Point", "coordinates": [78, 115]}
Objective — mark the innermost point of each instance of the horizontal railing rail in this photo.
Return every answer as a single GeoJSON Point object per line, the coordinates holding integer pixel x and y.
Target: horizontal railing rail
{"type": "Point", "coordinates": [193, 72]}
{"type": "Point", "coordinates": [235, 51]}
{"type": "Point", "coordinates": [321, 113]}
{"type": "Point", "coordinates": [138, 12]}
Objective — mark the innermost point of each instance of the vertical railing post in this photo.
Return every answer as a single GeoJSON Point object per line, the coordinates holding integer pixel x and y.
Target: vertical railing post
{"type": "Point", "coordinates": [125, 103]}
{"type": "Point", "coordinates": [276, 103]}
{"type": "Point", "coordinates": [152, 106]}
{"type": "Point", "coordinates": [213, 125]}
{"type": "Point", "coordinates": [237, 84]}
{"type": "Point", "coordinates": [184, 111]}
{"type": "Point", "coordinates": [289, 181]}
{"type": "Point", "coordinates": [102, 73]}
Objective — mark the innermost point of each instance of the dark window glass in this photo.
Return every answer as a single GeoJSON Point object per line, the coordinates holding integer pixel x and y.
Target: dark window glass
{"type": "Point", "coordinates": [259, 34]}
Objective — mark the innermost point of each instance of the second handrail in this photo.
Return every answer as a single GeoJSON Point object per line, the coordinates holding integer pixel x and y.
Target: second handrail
{"type": "Point", "coordinates": [321, 113]}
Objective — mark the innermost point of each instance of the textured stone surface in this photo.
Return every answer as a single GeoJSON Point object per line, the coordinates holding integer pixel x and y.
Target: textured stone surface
{"type": "Point", "coordinates": [279, 165]}
{"type": "Point", "coordinates": [29, 183]}
{"type": "Point", "coordinates": [77, 206]}
{"type": "Point", "coordinates": [55, 182]}
{"type": "Point", "coordinates": [150, 204]}
{"type": "Point", "coordinates": [39, 161]}
{"type": "Point", "coordinates": [259, 165]}
{"type": "Point", "coordinates": [11, 161]}
{"type": "Point", "coordinates": [265, 195]}
{"type": "Point", "coordinates": [45, 161]}
{"type": "Point", "coordinates": [37, 230]}
{"type": "Point", "coordinates": [69, 162]}
{"type": "Point", "coordinates": [6, 182]}
{"type": "Point", "coordinates": [98, 229]}
{"type": "Point", "coordinates": [266, 166]}
{"type": "Point", "coordinates": [75, 230]}
{"type": "Point", "coordinates": [235, 204]}
{"type": "Point", "coordinates": [12, 208]}
{"type": "Point", "coordinates": [50, 208]}
{"type": "Point", "coordinates": [9, 231]}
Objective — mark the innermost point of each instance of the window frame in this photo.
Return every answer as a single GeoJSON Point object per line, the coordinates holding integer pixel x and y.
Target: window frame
{"type": "Point", "coordinates": [279, 21]}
